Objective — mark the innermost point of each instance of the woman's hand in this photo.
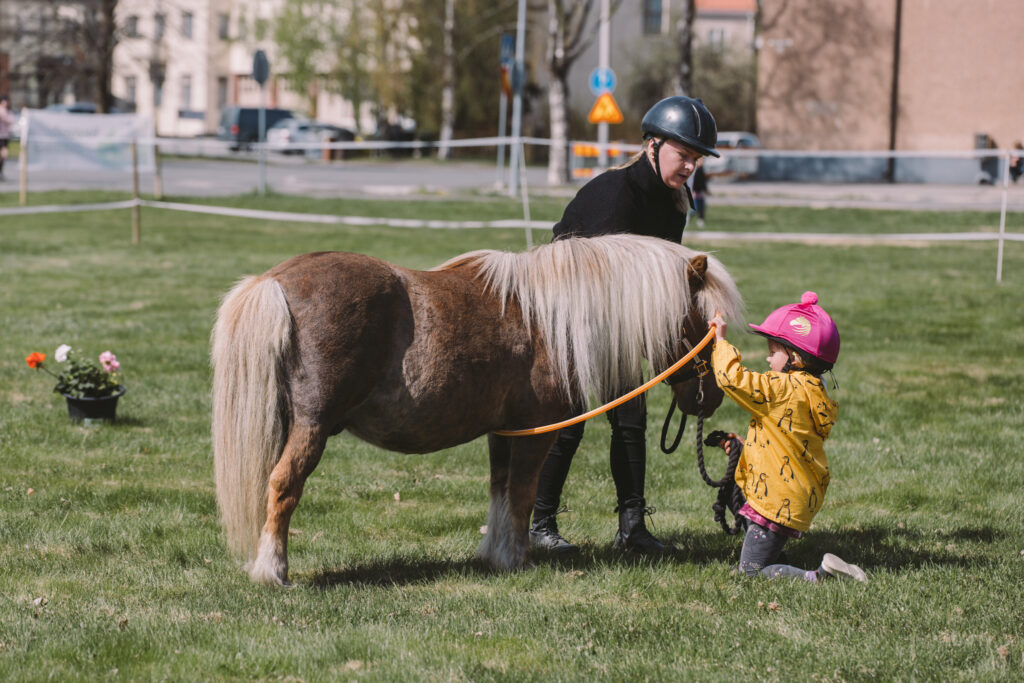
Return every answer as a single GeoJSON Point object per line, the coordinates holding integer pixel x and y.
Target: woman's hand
{"type": "Point", "coordinates": [720, 326]}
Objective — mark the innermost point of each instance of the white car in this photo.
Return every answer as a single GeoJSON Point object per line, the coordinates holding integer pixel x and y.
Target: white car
{"type": "Point", "coordinates": [733, 165]}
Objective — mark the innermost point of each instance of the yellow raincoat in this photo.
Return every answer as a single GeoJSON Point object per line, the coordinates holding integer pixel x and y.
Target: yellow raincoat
{"type": "Point", "coordinates": [783, 471]}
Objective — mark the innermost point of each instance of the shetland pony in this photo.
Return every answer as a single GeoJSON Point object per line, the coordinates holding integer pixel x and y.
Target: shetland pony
{"type": "Point", "coordinates": [417, 361]}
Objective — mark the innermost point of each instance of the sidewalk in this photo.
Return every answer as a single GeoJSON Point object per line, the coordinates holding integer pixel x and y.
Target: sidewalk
{"type": "Point", "coordinates": [869, 196]}
{"type": "Point", "coordinates": [428, 178]}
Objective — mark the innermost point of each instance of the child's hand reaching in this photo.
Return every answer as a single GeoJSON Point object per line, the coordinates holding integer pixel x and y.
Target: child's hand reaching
{"type": "Point", "coordinates": [720, 326]}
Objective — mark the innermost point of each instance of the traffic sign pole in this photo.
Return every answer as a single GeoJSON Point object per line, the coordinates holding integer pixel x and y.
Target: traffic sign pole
{"type": "Point", "coordinates": [517, 100]}
{"type": "Point", "coordinates": [603, 58]}
{"type": "Point", "coordinates": [260, 73]}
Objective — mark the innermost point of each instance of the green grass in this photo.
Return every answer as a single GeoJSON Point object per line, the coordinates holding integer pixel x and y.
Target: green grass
{"type": "Point", "coordinates": [114, 566]}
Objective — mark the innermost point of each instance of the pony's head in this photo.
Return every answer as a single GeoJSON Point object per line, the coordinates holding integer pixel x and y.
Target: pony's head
{"type": "Point", "coordinates": [605, 304]}
{"type": "Point", "coordinates": [694, 386]}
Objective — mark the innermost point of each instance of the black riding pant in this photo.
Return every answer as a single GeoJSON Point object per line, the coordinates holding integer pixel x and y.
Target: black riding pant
{"type": "Point", "coordinates": [628, 458]}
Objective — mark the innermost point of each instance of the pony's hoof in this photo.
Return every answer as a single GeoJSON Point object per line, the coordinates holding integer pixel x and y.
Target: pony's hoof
{"type": "Point", "coordinates": [271, 580]}
{"type": "Point", "coordinates": [266, 576]}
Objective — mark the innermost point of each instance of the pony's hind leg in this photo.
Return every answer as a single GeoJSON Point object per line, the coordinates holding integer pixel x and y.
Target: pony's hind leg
{"type": "Point", "coordinates": [515, 468]}
{"type": "Point", "coordinates": [301, 454]}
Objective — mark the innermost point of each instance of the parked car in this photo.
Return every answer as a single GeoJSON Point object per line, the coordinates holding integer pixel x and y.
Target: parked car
{"type": "Point", "coordinates": [730, 165]}
{"type": "Point", "coordinates": [240, 125]}
{"type": "Point", "coordinates": [299, 129]}
{"type": "Point", "coordinates": [79, 108]}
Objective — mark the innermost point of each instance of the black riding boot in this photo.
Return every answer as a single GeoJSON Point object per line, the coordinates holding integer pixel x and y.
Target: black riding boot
{"type": "Point", "coordinates": [544, 534]}
{"type": "Point", "coordinates": [633, 533]}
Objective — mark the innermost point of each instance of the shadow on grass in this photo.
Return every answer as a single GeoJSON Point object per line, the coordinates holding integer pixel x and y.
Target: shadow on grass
{"type": "Point", "coordinates": [874, 547]}
{"type": "Point", "coordinates": [397, 572]}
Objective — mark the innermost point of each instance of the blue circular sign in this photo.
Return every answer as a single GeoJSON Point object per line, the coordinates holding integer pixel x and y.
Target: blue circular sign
{"type": "Point", "coordinates": [602, 80]}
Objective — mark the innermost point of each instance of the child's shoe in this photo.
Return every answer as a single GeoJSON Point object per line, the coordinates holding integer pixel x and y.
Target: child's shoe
{"type": "Point", "coordinates": [840, 569]}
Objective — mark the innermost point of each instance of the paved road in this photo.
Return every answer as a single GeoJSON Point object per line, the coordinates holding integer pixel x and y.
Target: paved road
{"type": "Point", "coordinates": [422, 178]}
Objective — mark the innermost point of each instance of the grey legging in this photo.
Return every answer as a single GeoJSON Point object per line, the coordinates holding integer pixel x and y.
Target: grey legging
{"type": "Point", "coordinates": [761, 548]}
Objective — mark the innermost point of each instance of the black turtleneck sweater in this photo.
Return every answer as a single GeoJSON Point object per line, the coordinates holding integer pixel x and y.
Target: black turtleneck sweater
{"type": "Point", "coordinates": [631, 200]}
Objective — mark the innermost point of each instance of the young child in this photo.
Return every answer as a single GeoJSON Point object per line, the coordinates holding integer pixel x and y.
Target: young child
{"type": "Point", "coordinates": [782, 469]}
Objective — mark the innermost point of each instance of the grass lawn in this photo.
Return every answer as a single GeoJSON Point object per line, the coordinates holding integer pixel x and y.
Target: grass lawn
{"type": "Point", "coordinates": [112, 563]}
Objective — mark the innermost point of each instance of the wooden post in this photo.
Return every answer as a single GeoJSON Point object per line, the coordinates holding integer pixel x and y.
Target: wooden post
{"type": "Point", "coordinates": [23, 170]}
{"type": "Point", "coordinates": [158, 176]}
{"type": "Point", "coordinates": [136, 218]}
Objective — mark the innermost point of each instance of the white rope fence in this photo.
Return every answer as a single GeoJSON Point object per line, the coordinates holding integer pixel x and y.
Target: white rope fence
{"type": "Point", "coordinates": [823, 238]}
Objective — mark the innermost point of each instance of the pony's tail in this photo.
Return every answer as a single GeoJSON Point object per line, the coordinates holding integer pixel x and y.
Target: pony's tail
{"type": "Point", "coordinates": [250, 344]}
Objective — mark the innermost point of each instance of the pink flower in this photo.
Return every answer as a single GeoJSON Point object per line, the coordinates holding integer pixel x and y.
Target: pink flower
{"type": "Point", "coordinates": [109, 361]}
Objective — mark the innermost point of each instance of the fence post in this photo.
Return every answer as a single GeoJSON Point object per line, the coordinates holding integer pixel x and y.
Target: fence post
{"type": "Point", "coordinates": [136, 209]}
{"type": "Point", "coordinates": [525, 195]}
{"type": "Point", "coordinates": [23, 170]}
{"type": "Point", "coordinates": [1002, 218]}
{"type": "Point", "coordinates": [158, 176]}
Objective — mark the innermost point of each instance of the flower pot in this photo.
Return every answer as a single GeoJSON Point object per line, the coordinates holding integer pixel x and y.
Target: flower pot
{"type": "Point", "coordinates": [92, 410]}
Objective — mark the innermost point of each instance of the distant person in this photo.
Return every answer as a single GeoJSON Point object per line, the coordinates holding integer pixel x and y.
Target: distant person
{"type": "Point", "coordinates": [1017, 161]}
{"type": "Point", "coordinates": [989, 165]}
{"type": "Point", "coordinates": [782, 468]}
{"type": "Point", "coordinates": [647, 195]}
{"type": "Point", "coordinates": [7, 121]}
{"type": "Point", "coordinates": [700, 192]}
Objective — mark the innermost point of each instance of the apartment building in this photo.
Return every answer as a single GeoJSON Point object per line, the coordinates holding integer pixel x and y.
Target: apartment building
{"type": "Point", "coordinates": [185, 60]}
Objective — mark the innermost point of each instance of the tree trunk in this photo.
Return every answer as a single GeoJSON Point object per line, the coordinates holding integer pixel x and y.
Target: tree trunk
{"type": "Point", "coordinates": [558, 159]}
{"type": "Point", "coordinates": [106, 41]}
{"type": "Point", "coordinates": [448, 82]}
{"type": "Point", "coordinates": [558, 91]}
{"type": "Point", "coordinates": [683, 82]}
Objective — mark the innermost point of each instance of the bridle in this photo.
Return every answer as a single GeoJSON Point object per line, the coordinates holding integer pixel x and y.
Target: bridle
{"type": "Point", "coordinates": [698, 370]}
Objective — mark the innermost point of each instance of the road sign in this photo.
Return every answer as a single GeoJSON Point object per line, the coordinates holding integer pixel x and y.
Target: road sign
{"type": "Point", "coordinates": [605, 110]}
{"type": "Point", "coordinates": [260, 67]}
{"type": "Point", "coordinates": [508, 49]}
{"type": "Point", "coordinates": [602, 80]}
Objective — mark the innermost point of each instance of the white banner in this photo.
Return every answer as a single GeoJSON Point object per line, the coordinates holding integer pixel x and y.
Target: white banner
{"type": "Point", "coordinates": [86, 142]}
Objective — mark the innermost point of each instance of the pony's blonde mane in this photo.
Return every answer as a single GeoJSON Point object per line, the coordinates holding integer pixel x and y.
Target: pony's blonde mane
{"type": "Point", "coordinates": [603, 304]}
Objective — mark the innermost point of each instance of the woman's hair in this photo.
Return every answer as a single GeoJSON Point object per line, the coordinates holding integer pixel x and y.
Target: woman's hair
{"type": "Point", "coordinates": [682, 203]}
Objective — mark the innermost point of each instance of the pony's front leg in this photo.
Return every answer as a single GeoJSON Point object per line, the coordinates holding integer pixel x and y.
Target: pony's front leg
{"type": "Point", "coordinates": [301, 454]}
{"type": "Point", "coordinates": [515, 468]}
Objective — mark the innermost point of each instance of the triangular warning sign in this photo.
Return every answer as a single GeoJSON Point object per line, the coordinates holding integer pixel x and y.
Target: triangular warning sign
{"type": "Point", "coordinates": [605, 110]}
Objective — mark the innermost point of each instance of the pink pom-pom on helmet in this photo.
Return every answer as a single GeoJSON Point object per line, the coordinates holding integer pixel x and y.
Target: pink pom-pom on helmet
{"type": "Point", "coordinates": [804, 326]}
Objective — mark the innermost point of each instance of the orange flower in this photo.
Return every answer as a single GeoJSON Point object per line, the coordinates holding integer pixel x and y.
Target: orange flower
{"type": "Point", "coordinates": [35, 359]}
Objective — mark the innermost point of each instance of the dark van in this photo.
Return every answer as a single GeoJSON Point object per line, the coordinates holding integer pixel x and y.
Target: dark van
{"type": "Point", "coordinates": [241, 125]}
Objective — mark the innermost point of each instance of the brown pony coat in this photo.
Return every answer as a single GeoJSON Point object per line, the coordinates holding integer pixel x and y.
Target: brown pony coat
{"type": "Point", "coordinates": [411, 361]}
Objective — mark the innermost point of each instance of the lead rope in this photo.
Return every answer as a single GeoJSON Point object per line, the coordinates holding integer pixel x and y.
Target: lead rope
{"type": "Point", "coordinates": [729, 495]}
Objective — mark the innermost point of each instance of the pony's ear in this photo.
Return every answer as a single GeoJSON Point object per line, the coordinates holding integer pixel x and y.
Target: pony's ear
{"type": "Point", "coordinates": [696, 269]}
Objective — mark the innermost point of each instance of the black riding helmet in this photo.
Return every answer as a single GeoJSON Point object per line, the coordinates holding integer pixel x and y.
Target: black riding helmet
{"type": "Point", "coordinates": [685, 120]}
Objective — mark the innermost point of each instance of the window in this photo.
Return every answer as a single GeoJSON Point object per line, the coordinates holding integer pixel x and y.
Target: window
{"type": "Point", "coordinates": [158, 94]}
{"type": "Point", "coordinates": [716, 38]}
{"type": "Point", "coordinates": [129, 89]}
{"type": "Point", "coordinates": [186, 93]}
{"type": "Point", "coordinates": [159, 25]}
{"type": "Point", "coordinates": [131, 27]}
{"type": "Point", "coordinates": [223, 21]}
{"type": "Point", "coordinates": [652, 16]}
{"type": "Point", "coordinates": [186, 24]}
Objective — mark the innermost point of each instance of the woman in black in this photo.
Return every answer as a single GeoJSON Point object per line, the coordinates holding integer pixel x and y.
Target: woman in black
{"type": "Point", "coordinates": [645, 196]}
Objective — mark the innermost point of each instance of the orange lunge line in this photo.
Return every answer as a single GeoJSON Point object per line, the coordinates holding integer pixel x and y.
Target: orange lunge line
{"type": "Point", "coordinates": [622, 399]}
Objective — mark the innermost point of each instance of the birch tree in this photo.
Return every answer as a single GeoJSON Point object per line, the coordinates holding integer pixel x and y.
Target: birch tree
{"type": "Point", "coordinates": [447, 82]}
{"type": "Point", "coordinates": [566, 40]}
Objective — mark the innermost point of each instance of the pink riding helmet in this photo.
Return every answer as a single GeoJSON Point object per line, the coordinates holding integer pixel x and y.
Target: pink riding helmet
{"type": "Point", "coordinates": [804, 326]}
